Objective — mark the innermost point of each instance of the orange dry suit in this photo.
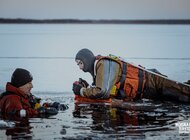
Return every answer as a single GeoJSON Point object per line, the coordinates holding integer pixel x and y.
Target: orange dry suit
{"type": "Point", "coordinates": [118, 79]}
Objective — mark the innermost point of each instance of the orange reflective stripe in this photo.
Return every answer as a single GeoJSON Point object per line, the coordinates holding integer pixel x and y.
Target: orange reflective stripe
{"type": "Point", "coordinates": [141, 83]}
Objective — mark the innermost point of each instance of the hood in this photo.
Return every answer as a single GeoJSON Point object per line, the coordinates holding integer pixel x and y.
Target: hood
{"type": "Point", "coordinates": [11, 88]}
{"type": "Point", "coordinates": [88, 59]}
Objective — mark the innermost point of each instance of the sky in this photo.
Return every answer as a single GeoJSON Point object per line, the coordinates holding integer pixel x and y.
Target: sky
{"type": "Point", "coordinates": [95, 9]}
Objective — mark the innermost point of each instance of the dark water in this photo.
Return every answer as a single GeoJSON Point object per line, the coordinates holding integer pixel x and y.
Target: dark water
{"type": "Point", "coordinates": [145, 119]}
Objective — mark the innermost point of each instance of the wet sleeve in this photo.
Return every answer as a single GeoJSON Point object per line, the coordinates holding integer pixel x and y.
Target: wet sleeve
{"type": "Point", "coordinates": [14, 105]}
{"type": "Point", "coordinates": [107, 72]}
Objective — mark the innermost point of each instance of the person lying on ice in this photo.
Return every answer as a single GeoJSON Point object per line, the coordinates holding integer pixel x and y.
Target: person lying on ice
{"type": "Point", "coordinates": [17, 100]}
{"type": "Point", "coordinates": [117, 79]}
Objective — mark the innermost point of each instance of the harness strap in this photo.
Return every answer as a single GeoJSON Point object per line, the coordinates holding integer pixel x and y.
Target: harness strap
{"type": "Point", "coordinates": [123, 75]}
{"type": "Point", "coordinates": [120, 85]}
{"type": "Point", "coordinates": [140, 84]}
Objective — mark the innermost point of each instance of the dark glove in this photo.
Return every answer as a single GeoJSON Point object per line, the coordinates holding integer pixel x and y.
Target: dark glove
{"type": "Point", "coordinates": [51, 111]}
{"type": "Point", "coordinates": [41, 110]}
{"type": "Point", "coordinates": [59, 106]}
{"type": "Point", "coordinates": [76, 87]}
{"type": "Point", "coordinates": [55, 105]}
{"type": "Point", "coordinates": [83, 82]}
{"type": "Point", "coordinates": [63, 107]}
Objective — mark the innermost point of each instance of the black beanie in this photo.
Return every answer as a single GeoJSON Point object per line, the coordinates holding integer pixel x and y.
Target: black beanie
{"type": "Point", "coordinates": [21, 77]}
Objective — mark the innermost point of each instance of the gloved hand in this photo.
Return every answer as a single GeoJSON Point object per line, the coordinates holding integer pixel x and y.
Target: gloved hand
{"type": "Point", "coordinates": [41, 110]}
{"type": "Point", "coordinates": [51, 111]}
{"type": "Point", "coordinates": [77, 87]}
{"type": "Point", "coordinates": [55, 105]}
{"type": "Point", "coordinates": [63, 107]}
{"type": "Point", "coordinates": [59, 106]}
{"type": "Point", "coordinates": [83, 82]}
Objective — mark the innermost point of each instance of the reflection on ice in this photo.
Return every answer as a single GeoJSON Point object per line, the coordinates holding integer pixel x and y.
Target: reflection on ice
{"type": "Point", "coordinates": [132, 120]}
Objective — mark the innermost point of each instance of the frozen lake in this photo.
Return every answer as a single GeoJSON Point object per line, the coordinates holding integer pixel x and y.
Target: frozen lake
{"type": "Point", "coordinates": [48, 52]}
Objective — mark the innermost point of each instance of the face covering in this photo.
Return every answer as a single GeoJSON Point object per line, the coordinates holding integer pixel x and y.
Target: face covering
{"type": "Point", "coordinates": [88, 59]}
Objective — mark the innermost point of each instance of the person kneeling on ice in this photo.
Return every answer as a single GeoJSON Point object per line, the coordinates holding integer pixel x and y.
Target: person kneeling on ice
{"type": "Point", "coordinates": [17, 100]}
{"type": "Point", "coordinates": [116, 79]}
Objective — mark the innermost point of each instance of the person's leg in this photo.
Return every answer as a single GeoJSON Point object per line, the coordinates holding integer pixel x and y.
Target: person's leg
{"type": "Point", "coordinates": [176, 91]}
{"type": "Point", "coordinates": [159, 87]}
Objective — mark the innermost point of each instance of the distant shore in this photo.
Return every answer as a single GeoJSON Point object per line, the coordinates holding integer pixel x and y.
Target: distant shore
{"type": "Point", "coordinates": [89, 21]}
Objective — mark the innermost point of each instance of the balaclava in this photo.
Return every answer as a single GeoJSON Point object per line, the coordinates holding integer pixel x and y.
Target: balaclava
{"type": "Point", "coordinates": [88, 59]}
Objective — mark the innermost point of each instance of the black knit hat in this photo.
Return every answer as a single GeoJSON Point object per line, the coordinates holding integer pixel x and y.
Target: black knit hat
{"type": "Point", "coordinates": [21, 77]}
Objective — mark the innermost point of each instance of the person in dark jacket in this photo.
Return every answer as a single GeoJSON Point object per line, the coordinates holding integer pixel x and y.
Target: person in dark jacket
{"type": "Point", "coordinates": [115, 78]}
{"type": "Point", "coordinates": [18, 100]}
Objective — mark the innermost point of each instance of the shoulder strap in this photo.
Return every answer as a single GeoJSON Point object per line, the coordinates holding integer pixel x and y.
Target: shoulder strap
{"type": "Point", "coordinates": [111, 57]}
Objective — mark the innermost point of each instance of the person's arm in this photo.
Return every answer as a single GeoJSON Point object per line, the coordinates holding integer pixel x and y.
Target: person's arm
{"type": "Point", "coordinates": [106, 77]}
{"type": "Point", "coordinates": [31, 112]}
{"type": "Point", "coordinates": [13, 106]}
